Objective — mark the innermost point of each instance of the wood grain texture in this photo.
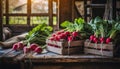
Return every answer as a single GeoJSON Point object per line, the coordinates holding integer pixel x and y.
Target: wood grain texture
{"type": "Point", "coordinates": [1, 21]}
{"type": "Point", "coordinates": [98, 49]}
{"type": "Point", "coordinates": [62, 47]}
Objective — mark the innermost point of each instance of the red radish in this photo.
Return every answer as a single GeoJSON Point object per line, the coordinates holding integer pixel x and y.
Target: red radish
{"type": "Point", "coordinates": [63, 35]}
{"type": "Point", "coordinates": [70, 38]}
{"type": "Point", "coordinates": [67, 33]}
{"type": "Point", "coordinates": [57, 38]}
{"type": "Point", "coordinates": [53, 35]}
{"type": "Point", "coordinates": [51, 38]}
{"type": "Point", "coordinates": [92, 37]}
{"type": "Point", "coordinates": [26, 49]}
{"type": "Point", "coordinates": [74, 34]}
{"type": "Point", "coordinates": [33, 46]}
{"type": "Point", "coordinates": [38, 50]}
{"type": "Point", "coordinates": [15, 46]}
{"type": "Point", "coordinates": [20, 45]}
{"type": "Point", "coordinates": [108, 40]}
{"type": "Point", "coordinates": [102, 39]}
{"type": "Point", "coordinates": [95, 40]}
{"type": "Point", "coordinates": [59, 32]}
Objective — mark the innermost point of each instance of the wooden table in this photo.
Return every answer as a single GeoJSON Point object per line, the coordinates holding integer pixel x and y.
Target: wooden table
{"type": "Point", "coordinates": [51, 60]}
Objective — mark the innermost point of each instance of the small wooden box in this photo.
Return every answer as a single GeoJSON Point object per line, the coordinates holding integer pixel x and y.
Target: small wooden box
{"type": "Point", "coordinates": [61, 47]}
{"type": "Point", "coordinates": [90, 48]}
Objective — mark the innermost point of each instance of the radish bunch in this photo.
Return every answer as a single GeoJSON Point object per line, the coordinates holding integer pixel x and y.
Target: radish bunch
{"type": "Point", "coordinates": [18, 46]}
{"type": "Point", "coordinates": [64, 35]}
{"type": "Point", "coordinates": [95, 39]}
{"type": "Point", "coordinates": [33, 47]}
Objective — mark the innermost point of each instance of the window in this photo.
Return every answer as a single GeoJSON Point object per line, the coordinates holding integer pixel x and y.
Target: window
{"type": "Point", "coordinates": [30, 12]}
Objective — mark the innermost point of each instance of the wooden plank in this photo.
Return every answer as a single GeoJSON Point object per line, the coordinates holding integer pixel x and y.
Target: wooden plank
{"type": "Point", "coordinates": [113, 9]}
{"type": "Point", "coordinates": [98, 52]}
{"type": "Point", "coordinates": [85, 10]}
{"type": "Point", "coordinates": [28, 11]}
{"type": "Point", "coordinates": [105, 50]}
{"type": "Point", "coordinates": [1, 21]}
{"type": "Point", "coordinates": [33, 14]}
{"type": "Point", "coordinates": [64, 11]}
{"type": "Point", "coordinates": [65, 51]}
{"type": "Point", "coordinates": [65, 43]}
{"type": "Point", "coordinates": [7, 12]}
{"type": "Point", "coordinates": [76, 58]}
{"type": "Point", "coordinates": [77, 66]}
{"type": "Point", "coordinates": [61, 47]}
{"type": "Point", "coordinates": [50, 5]}
{"type": "Point", "coordinates": [96, 5]}
{"type": "Point", "coordinates": [98, 46]}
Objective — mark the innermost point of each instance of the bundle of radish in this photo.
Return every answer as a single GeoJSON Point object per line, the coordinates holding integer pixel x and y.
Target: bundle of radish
{"type": "Point", "coordinates": [35, 48]}
{"type": "Point", "coordinates": [36, 38]}
{"type": "Point", "coordinates": [70, 39]}
{"type": "Point", "coordinates": [18, 46]}
{"type": "Point", "coordinates": [105, 32]}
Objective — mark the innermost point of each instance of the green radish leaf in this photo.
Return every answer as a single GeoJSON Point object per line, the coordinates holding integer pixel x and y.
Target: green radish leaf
{"type": "Point", "coordinates": [65, 24]}
{"type": "Point", "coordinates": [79, 21]}
{"type": "Point", "coordinates": [97, 20]}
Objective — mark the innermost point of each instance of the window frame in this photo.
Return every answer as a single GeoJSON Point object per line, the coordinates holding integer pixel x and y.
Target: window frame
{"type": "Point", "coordinates": [29, 15]}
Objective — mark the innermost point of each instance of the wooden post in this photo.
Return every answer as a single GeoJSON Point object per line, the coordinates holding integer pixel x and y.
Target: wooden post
{"type": "Point", "coordinates": [1, 22]}
{"type": "Point", "coordinates": [28, 11]}
{"type": "Point", "coordinates": [85, 10]}
{"type": "Point", "coordinates": [113, 9]}
{"type": "Point", "coordinates": [7, 11]}
{"type": "Point", "coordinates": [64, 11]}
{"type": "Point", "coordinates": [50, 3]}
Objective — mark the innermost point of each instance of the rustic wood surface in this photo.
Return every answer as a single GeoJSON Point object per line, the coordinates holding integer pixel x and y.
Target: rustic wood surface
{"type": "Point", "coordinates": [51, 60]}
{"type": "Point", "coordinates": [55, 58]}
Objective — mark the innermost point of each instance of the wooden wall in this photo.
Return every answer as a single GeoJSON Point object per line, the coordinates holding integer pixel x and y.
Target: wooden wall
{"type": "Point", "coordinates": [1, 33]}
{"type": "Point", "coordinates": [64, 10]}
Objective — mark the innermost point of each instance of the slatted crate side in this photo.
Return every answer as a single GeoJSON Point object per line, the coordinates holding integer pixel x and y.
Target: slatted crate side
{"type": "Point", "coordinates": [59, 43]}
{"type": "Point", "coordinates": [61, 47]}
{"type": "Point", "coordinates": [65, 43]}
{"type": "Point", "coordinates": [98, 52]}
{"type": "Point", "coordinates": [107, 49]}
{"type": "Point", "coordinates": [104, 46]}
{"type": "Point", "coordinates": [64, 51]}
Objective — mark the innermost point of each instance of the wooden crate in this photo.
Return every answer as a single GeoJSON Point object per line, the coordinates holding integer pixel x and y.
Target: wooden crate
{"type": "Point", "coordinates": [61, 47]}
{"type": "Point", "coordinates": [90, 48]}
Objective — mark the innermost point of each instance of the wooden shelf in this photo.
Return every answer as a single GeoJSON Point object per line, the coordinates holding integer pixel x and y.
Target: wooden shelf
{"type": "Point", "coordinates": [95, 5]}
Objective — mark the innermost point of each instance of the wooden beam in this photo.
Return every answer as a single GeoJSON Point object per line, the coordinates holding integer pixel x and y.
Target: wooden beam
{"type": "Point", "coordinates": [7, 11]}
{"type": "Point", "coordinates": [64, 11]}
{"type": "Point", "coordinates": [28, 11]}
{"type": "Point", "coordinates": [33, 14]}
{"type": "Point", "coordinates": [50, 5]}
{"type": "Point", "coordinates": [1, 22]}
{"type": "Point", "coordinates": [85, 10]}
{"type": "Point", "coordinates": [113, 9]}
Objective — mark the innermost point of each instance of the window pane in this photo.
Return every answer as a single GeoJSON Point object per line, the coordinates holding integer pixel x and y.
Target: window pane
{"type": "Point", "coordinates": [17, 6]}
{"type": "Point", "coordinates": [54, 20]}
{"type": "Point", "coordinates": [38, 20]}
{"type": "Point", "coordinates": [4, 19]}
{"type": "Point", "coordinates": [54, 7]}
{"type": "Point", "coordinates": [39, 6]}
{"type": "Point", "coordinates": [4, 5]}
{"type": "Point", "coordinates": [18, 20]}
